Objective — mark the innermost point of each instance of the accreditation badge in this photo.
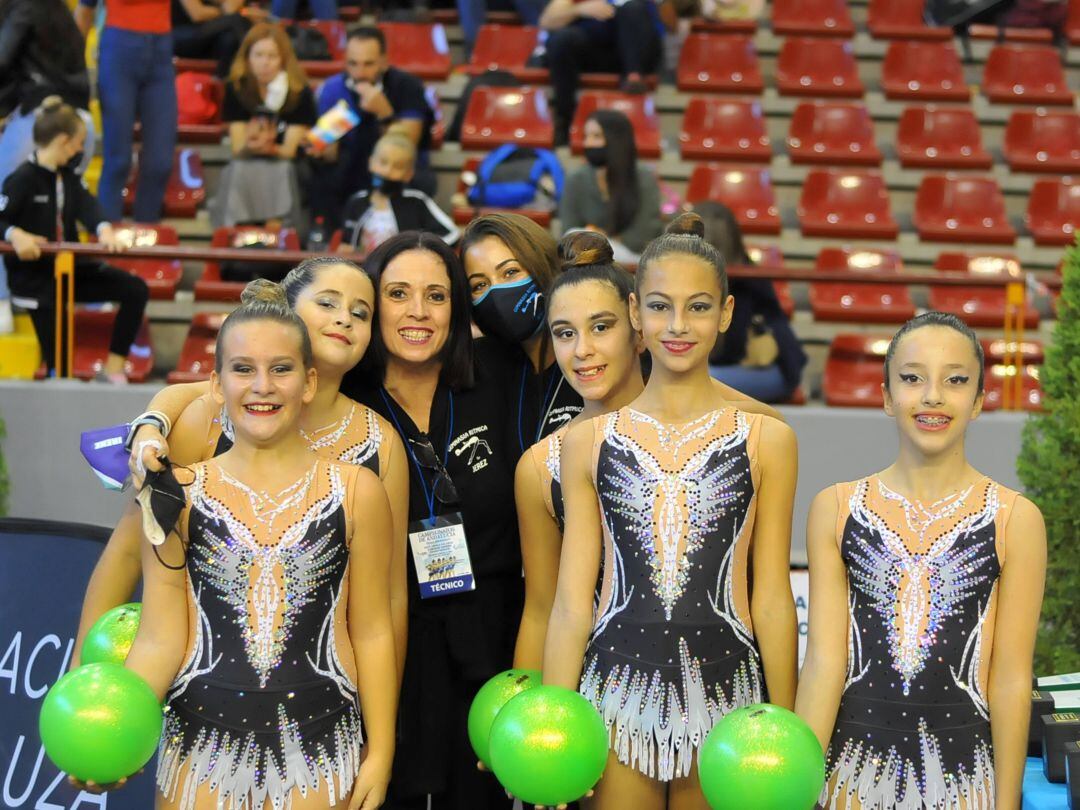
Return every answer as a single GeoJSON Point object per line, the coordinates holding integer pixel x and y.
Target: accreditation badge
{"type": "Point", "coordinates": [441, 556]}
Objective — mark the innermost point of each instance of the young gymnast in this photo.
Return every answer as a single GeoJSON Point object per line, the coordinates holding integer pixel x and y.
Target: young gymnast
{"type": "Point", "coordinates": [925, 585]}
{"type": "Point", "coordinates": [674, 497]}
{"type": "Point", "coordinates": [336, 301]}
{"type": "Point", "coordinates": [266, 613]}
{"type": "Point", "coordinates": [599, 354]}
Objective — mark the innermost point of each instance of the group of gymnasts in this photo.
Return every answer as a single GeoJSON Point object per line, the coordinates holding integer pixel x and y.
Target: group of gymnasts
{"type": "Point", "coordinates": [352, 416]}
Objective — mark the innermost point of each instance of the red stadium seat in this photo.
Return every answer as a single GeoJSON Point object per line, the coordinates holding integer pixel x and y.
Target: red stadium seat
{"type": "Point", "coordinates": [1072, 24]}
{"type": "Point", "coordinates": [978, 306]}
{"type": "Point", "coordinates": [1010, 33]}
{"type": "Point", "coordinates": [185, 190]}
{"type": "Point", "coordinates": [817, 67]}
{"type": "Point", "coordinates": [854, 371]}
{"type": "Point", "coordinates": [1053, 211]}
{"type": "Point", "coordinates": [1001, 365]}
{"type": "Point", "coordinates": [771, 256]}
{"type": "Point", "coordinates": [812, 18]}
{"type": "Point", "coordinates": [860, 303]}
{"type": "Point", "coordinates": [641, 110]}
{"type": "Point", "coordinates": [1025, 74]}
{"type": "Point", "coordinates": [940, 137]}
{"type": "Point", "coordinates": [498, 115]}
{"type": "Point", "coordinates": [902, 19]}
{"type": "Point", "coordinates": [419, 48]}
{"type": "Point", "coordinates": [197, 355]}
{"type": "Point", "coordinates": [199, 113]}
{"type": "Point", "coordinates": [960, 208]}
{"type": "Point", "coordinates": [846, 205]}
{"type": "Point", "coordinates": [746, 190]}
{"type": "Point", "coordinates": [507, 47]}
{"type": "Point", "coordinates": [162, 276]}
{"type": "Point", "coordinates": [732, 26]}
{"type": "Point", "coordinates": [833, 134]}
{"type": "Point", "coordinates": [1041, 141]}
{"type": "Point", "coordinates": [211, 286]}
{"type": "Point", "coordinates": [719, 63]}
{"type": "Point", "coordinates": [724, 129]}
{"type": "Point", "coordinates": [927, 71]}
{"type": "Point", "coordinates": [93, 331]}
{"type": "Point", "coordinates": [464, 214]}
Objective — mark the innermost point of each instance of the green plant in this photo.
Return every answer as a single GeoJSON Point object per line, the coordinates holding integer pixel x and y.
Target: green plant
{"type": "Point", "coordinates": [1049, 467]}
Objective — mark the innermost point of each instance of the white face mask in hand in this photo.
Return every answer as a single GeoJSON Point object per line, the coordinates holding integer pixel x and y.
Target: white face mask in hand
{"type": "Point", "coordinates": [276, 92]}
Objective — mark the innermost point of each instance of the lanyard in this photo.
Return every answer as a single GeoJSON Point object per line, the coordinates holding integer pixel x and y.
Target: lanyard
{"type": "Point", "coordinates": [547, 403]}
{"type": "Point", "coordinates": [429, 497]}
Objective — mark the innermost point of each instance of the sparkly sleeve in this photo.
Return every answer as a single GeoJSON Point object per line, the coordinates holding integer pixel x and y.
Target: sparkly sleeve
{"type": "Point", "coordinates": [538, 456]}
{"type": "Point", "coordinates": [843, 508]}
{"type": "Point", "coordinates": [386, 445]}
{"type": "Point", "coordinates": [753, 439]}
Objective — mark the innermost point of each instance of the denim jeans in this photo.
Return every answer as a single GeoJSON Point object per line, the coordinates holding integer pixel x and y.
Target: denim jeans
{"type": "Point", "coordinates": [136, 82]}
{"type": "Point", "coordinates": [320, 9]}
{"type": "Point", "coordinates": [16, 144]}
{"type": "Point", "coordinates": [764, 383]}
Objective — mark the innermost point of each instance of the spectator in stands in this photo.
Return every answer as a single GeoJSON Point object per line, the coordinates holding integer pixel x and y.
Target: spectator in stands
{"type": "Point", "coordinates": [613, 194]}
{"type": "Point", "coordinates": [136, 82]}
{"type": "Point", "coordinates": [269, 108]}
{"type": "Point", "coordinates": [759, 354]}
{"type": "Point", "coordinates": [44, 200]}
{"type": "Point", "coordinates": [621, 36]}
{"type": "Point", "coordinates": [320, 9]}
{"type": "Point", "coordinates": [384, 98]}
{"type": "Point", "coordinates": [374, 215]}
{"type": "Point", "coordinates": [41, 54]}
{"type": "Point", "coordinates": [209, 29]}
{"type": "Point", "coordinates": [472, 13]}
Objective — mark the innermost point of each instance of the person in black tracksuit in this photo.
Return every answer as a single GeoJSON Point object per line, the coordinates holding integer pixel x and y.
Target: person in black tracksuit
{"type": "Point", "coordinates": [42, 201]}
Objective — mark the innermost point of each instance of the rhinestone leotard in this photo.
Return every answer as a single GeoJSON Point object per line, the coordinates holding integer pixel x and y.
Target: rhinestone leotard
{"type": "Point", "coordinates": [913, 729]}
{"type": "Point", "coordinates": [545, 455]}
{"type": "Point", "coordinates": [672, 648]}
{"type": "Point", "coordinates": [265, 703]}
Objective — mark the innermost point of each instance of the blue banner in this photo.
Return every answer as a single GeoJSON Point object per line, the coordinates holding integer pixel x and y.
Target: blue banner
{"type": "Point", "coordinates": [44, 568]}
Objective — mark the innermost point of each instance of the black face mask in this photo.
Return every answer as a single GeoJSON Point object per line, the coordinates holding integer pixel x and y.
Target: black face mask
{"type": "Point", "coordinates": [511, 312]}
{"type": "Point", "coordinates": [596, 155]}
{"type": "Point", "coordinates": [388, 187]}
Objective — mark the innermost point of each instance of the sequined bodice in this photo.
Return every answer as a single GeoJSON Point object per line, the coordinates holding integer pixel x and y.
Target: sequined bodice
{"type": "Point", "coordinates": [923, 576]}
{"type": "Point", "coordinates": [267, 572]}
{"type": "Point", "coordinates": [675, 502]}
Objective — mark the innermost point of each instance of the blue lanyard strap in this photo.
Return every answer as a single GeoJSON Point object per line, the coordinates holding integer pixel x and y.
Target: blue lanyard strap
{"type": "Point", "coordinates": [545, 406]}
{"type": "Point", "coordinates": [429, 497]}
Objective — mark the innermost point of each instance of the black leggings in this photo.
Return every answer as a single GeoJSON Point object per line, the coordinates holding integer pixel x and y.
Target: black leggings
{"type": "Point", "coordinates": [630, 44]}
{"type": "Point", "coordinates": [96, 283]}
{"type": "Point", "coordinates": [218, 39]}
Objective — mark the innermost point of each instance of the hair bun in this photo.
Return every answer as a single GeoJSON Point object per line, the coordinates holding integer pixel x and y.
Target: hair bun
{"type": "Point", "coordinates": [583, 248]}
{"type": "Point", "coordinates": [264, 291]}
{"type": "Point", "coordinates": [689, 224]}
{"type": "Point", "coordinates": [51, 103]}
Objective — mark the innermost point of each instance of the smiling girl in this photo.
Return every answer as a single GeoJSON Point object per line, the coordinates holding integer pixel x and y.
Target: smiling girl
{"type": "Point", "coordinates": [266, 612]}
{"type": "Point", "coordinates": [926, 581]}
{"type": "Point", "coordinates": [336, 301]}
{"type": "Point", "coordinates": [599, 354]}
{"type": "Point", "coordinates": [674, 498]}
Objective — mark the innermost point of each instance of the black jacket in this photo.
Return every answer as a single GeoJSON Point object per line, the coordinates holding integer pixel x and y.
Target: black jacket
{"type": "Point", "coordinates": [757, 297]}
{"type": "Point", "coordinates": [42, 53]}
{"type": "Point", "coordinates": [414, 211]}
{"type": "Point", "coordinates": [28, 201]}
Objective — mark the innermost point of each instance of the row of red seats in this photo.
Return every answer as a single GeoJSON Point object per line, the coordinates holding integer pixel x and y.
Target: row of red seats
{"type": "Point", "coordinates": [853, 372]}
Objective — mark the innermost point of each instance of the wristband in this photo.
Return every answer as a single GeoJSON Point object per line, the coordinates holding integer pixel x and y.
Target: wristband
{"type": "Point", "coordinates": [155, 418]}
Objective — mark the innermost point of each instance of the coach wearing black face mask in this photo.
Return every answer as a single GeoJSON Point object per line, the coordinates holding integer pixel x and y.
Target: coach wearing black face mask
{"type": "Point", "coordinates": [613, 193]}
{"type": "Point", "coordinates": [387, 207]}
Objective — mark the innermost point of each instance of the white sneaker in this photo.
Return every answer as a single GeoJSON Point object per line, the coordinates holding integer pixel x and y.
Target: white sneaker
{"type": "Point", "coordinates": [7, 320]}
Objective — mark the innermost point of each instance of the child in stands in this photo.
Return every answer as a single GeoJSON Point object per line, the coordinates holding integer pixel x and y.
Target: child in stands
{"type": "Point", "coordinates": [44, 200]}
{"type": "Point", "coordinates": [374, 214]}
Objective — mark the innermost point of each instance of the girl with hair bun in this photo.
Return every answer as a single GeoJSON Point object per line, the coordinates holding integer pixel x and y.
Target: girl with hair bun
{"type": "Point", "coordinates": [670, 501]}
{"type": "Point", "coordinates": [335, 300]}
{"type": "Point", "coordinates": [266, 623]}
{"type": "Point", "coordinates": [927, 580]}
{"type": "Point", "coordinates": [599, 353]}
